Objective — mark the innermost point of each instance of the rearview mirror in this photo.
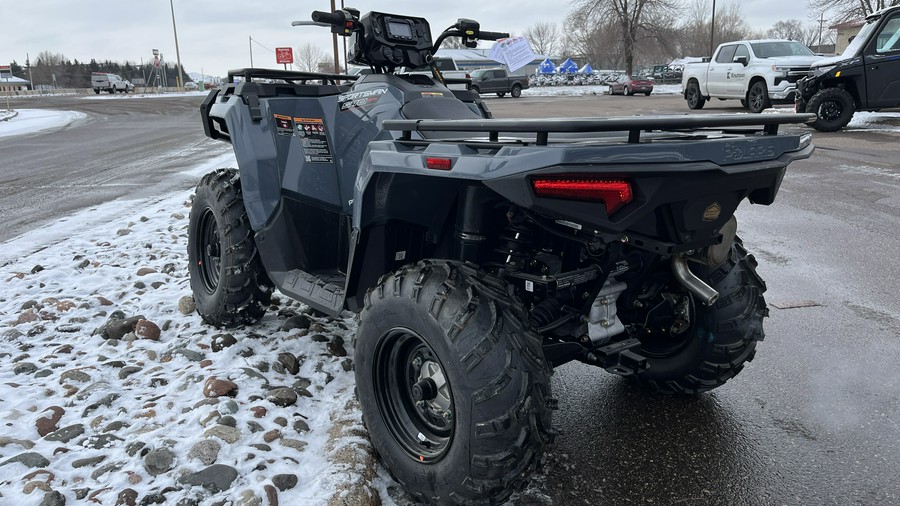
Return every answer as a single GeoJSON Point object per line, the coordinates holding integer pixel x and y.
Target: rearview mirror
{"type": "Point", "coordinates": [743, 60]}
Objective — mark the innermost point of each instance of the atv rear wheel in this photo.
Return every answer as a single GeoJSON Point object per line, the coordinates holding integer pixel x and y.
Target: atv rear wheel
{"type": "Point", "coordinates": [228, 281]}
{"type": "Point", "coordinates": [833, 107]}
{"type": "Point", "coordinates": [453, 386]}
{"type": "Point", "coordinates": [722, 338]}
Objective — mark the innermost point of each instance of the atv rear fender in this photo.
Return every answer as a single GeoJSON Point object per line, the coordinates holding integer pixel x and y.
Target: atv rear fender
{"type": "Point", "coordinates": [686, 185]}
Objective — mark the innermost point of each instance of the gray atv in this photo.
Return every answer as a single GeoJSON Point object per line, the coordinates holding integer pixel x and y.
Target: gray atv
{"type": "Point", "coordinates": [480, 253]}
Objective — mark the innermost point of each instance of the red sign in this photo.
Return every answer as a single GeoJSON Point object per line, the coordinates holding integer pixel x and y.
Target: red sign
{"type": "Point", "coordinates": [284, 55]}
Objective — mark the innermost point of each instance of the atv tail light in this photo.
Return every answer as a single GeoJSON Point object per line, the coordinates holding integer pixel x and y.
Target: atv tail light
{"type": "Point", "coordinates": [438, 163]}
{"type": "Point", "coordinates": [614, 193]}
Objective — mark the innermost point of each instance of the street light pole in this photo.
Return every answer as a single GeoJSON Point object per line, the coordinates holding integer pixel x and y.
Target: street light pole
{"type": "Point", "coordinates": [250, 41]}
{"type": "Point", "coordinates": [180, 82]}
{"type": "Point", "coordinates": [712, 30]}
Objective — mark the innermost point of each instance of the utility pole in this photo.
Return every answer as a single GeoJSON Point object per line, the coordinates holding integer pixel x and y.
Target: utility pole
{"type": "Point", "coordinates": [712, 31]}
{"type": "Point", "coordinates": [250, 39]}
{"type": "Point", "coordinates": [30, 80]}
{"type": "Point", "coordinates": [821, 22]}
{"type": "Point", "coordinates": [180, 81]}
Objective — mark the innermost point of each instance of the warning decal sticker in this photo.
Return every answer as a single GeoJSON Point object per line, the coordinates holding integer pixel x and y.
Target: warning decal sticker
{"type": "Point", "coordinates": [284, 125]}
{"type": "Point", "coordinates": [312, 137]}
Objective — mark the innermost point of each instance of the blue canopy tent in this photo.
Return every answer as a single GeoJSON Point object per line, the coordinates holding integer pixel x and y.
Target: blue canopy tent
{"type": "Point", "coordinates": [546, 67]}
{"type": "Point", "coordinates": [587, 69]}
{"type": "Point", "coordinates": [568, 66]}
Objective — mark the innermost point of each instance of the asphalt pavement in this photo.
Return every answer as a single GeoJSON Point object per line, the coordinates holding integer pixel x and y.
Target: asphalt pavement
{"type": "Point", "coordinates": [814, 419]}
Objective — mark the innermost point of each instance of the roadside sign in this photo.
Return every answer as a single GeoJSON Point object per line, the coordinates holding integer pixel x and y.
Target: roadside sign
{"type": "Point", "coordinates": [284, 55]}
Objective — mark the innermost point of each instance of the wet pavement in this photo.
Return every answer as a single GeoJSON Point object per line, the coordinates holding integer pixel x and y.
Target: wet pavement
{"type": "Point", "coordinates": [815, 418]}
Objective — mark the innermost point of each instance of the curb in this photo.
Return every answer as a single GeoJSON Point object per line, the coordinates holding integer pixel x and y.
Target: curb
{"type": "Point", "coordinates": [355, 456]}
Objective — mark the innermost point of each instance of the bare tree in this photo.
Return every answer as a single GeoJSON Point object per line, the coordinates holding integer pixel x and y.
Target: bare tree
{"type": "Point", "coordinates": [633, 18]}
{"type": "Point", "coordinates": [694, 39]}
{"type": "Point", "coordinates": [792, 29]}
{"type": "Point", "coordinates": [544, 37]}
{"type": "Point", "coordinates": [308, 56]}
{"type": "Point", "coordinates": [846, 10]}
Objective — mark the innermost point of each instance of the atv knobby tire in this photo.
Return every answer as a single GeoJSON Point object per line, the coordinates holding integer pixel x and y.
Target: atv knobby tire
{"type": "Point", "coordinates": [833, 107]}
{"type": "Point", "coordinates": [485, 418]}
{"type": "Point", "coordinates": [229, 284]}
{"type": "Point", "coordinates": [723, 337]}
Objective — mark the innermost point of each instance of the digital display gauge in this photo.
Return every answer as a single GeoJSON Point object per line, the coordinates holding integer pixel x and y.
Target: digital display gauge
{"type": "Point", "coordinates": [399, 29]}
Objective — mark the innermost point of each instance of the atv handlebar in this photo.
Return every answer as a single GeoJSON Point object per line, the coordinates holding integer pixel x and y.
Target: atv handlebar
{"type": "Point", "coordinates": [331, 18]}
{"type": "Point", "coordinates": [484, 35]}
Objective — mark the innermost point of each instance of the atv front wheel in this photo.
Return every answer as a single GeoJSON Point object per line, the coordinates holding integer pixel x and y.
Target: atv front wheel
{"type": "Point", "coordinates": [228, 281]}
{"type": "Point", "coordinates": [721, 339]}
{"type": "Point", "coordinates": [453, 386]}
{"type": "Point", "coordinates": [833, 107]}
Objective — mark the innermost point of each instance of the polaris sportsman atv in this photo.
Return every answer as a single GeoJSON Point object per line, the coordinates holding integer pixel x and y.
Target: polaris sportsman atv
{"type": "Point", "coordinates": [480, 253]}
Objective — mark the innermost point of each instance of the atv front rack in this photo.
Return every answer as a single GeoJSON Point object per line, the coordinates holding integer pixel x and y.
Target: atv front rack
{"type": "Point", "coordinates": [634, 125]}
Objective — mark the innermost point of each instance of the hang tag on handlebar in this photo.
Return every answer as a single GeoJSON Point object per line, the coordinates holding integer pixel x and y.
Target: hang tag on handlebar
{"type": "Point", "coordinates": [514, 52]}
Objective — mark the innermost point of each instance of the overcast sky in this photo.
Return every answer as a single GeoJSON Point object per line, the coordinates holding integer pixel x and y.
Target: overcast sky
{"type": "Point", "coordinates": [213, 35]}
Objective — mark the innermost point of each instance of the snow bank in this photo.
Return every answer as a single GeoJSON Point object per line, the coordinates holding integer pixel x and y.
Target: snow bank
{"type": "Point", "coordinates": [30, 121]}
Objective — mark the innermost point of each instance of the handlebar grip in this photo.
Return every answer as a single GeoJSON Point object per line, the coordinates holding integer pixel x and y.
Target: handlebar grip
{"type": "Point", "coordinates": [485, 35]}
{"type": "Point", "coordinates": [332, 18]}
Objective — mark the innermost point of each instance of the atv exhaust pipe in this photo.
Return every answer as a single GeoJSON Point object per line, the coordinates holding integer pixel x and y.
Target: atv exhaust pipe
{"type": "Point", "coordinates": [707, 294]}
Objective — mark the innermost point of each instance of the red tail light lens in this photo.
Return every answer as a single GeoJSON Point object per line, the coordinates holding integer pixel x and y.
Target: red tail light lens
{"type": "Point", "coordinates": [614, 193]}
{"type": "Point", "coordinates": [438, 163]}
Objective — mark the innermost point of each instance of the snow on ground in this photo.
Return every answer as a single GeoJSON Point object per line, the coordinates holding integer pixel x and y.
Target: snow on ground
{"type": "Point", "coordinates": [106, 385]}
{"type": "Point", "coordinates": [30, 121]}
{"type": "Point", "coordinates": [112, 388]}
{"type": "Point", "coordinates": [577, 91]}
{"type": "Point", "coordinates": [120, 96]}
{"type": "Point", "coordinates": [875, 121]}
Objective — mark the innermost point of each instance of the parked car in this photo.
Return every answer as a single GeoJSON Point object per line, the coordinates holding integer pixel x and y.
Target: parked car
{"type": "Point", "coordinates": [498, 81]}
{"type": "Point", "coordinates": [627, 85]}
{"type": "Point", "coordinates": [191, 86]}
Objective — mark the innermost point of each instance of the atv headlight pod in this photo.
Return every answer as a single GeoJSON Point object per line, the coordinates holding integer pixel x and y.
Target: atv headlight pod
{"type": "Point", "coordinates": [818, 71]}
{"type": "Point", "coordinates": [613, 193]}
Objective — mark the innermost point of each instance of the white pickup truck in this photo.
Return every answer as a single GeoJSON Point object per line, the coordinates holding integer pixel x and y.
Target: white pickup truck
{"type": "Point", "coordinates": [756, 72]}
{"type": "Point", "coordinates": [101, 81]}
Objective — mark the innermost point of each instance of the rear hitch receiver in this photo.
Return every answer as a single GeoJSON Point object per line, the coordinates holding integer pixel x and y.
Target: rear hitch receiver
{"type": "Point", "coordinates": [707, 294]}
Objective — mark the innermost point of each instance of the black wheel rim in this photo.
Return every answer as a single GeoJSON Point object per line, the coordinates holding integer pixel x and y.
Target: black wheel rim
{"type": "Point", "coordinates": [413, 395]}
{"type": "Point", "coordinates": [208, 250]}
{"type": "Point", "coordinates": [693, 95]}
{"type": "Point", "coordinates": [756, 98]}
{"type": "Point", "coordinates": [830, 110]}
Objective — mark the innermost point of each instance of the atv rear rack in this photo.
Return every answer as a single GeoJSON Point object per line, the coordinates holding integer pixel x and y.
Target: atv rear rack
{"type": "Point", "coordinates": [766, 123]}
{"type": "Point", "coordinates": [249, 74]}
